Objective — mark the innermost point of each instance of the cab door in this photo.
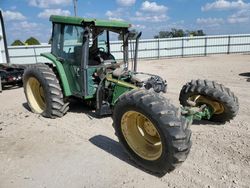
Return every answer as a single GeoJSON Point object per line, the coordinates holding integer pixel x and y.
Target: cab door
{"type": "Point", "coordinates": [67, 44]}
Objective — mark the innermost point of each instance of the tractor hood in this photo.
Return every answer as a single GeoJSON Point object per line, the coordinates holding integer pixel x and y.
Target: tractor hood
{"type": "Point", "coordinates": [89, 21]}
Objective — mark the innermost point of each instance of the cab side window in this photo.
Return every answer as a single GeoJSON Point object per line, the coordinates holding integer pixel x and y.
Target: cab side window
{"type": "Point", "coordinates": [67, 42]}
{"type": "Point", "coordinates": [72, 43]}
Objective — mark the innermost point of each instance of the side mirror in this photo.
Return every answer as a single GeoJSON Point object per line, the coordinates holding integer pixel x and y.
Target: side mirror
{"type": "Point", "coordinates": [134, 35]}
{"type": "Point", "coordinates": [139, 35]}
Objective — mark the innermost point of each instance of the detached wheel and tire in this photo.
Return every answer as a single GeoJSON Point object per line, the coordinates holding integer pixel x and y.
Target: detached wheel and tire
{"type": "Point", "coordinates": [223, 101]}
{"type": "Point", "coordinates": [43, 91]}
{"type": "Point", "coordinates": [152, 131]}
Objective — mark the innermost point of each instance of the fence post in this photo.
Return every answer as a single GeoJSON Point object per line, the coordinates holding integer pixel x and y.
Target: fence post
{"type": "Point", "coordinates": [158, 46]}
{"type": "Point", "coordinates": [228, 44]}
{"type": "Point", "coordinates": [205, 50]}
{"type": "Point", "coordinates": [182, 47]}
{"type": "Point", "coordinates": [35, 53]}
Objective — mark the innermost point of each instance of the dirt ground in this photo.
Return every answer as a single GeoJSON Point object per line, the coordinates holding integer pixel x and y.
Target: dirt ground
{"type": "Point", "coordinates": [79, 150]}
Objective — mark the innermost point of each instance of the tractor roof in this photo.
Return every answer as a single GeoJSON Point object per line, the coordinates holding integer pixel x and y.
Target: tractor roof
{"type": "Point", "coordinates": [96, 22]}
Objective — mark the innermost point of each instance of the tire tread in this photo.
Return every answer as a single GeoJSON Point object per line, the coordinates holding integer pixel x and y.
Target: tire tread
{"type": "Point", "coordinates": [177, 133]}
{"type": "Point", "coordinates": [58, 107]}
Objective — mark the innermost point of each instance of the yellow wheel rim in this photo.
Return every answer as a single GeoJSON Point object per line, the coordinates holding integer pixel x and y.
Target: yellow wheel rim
{"type": "Point", "coordinates": [35, 95]}
{"type": "Point", "coordinates": [141, 135]}
{"type": "Point", "coordinates": [218, 108]}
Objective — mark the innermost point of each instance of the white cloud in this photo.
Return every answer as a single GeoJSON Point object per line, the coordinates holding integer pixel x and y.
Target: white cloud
{"type": "Point", "coordinates": [149, 17]}
{"type": "Point", "coordinates": [210, 22]}
{"type": "Point", "coordinates": [151, 12]}
{"type": "Point", "coordinates": [49, 3]}
{"type": "Point", "coordinates": [116, 14]}
{"type": "Point", "coordinates": [48, 12]}
{"type": "Point", "coordinates": [138, 13]}
{"type": "Point", "coordinates": [153, 7]}
{"type": "Point", "coordinates": [242, 16]}
{"type": "Point", "coordinates": [225, 5]}
{"type": "Point", "coordinates": [148, 12]}
{"type": "Point", "coordinates": [13, 16]}
{"type": "Point", "coordinates": [13, 7]}
{"type": "Point", "coordinates": [24, 26]}
{"type": "Point", "coordinates": [109, 13]}
{"type": "Point", "coordinates": [138, 26]}
{"type": "Point", "coordinates": [27, 25]}
{"type": "Point", "coordinates": [126, 3]}
{"type": "Point", "coordinates": [24, 29]}
{"type": "Point", "coordinates": [116, 19]}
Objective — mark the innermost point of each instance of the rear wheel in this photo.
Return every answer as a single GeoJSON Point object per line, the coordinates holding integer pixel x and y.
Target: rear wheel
{"type": "Point", "coordinates": [152, 131]}
{"type": "Point", "coordinates": [43, 91]}
{"type": "Point", "coordinates": [220, 99]}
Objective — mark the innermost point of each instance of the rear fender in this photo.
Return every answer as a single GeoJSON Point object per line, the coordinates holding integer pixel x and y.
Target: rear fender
{"type": "Point", "coordinates": [61, 73]}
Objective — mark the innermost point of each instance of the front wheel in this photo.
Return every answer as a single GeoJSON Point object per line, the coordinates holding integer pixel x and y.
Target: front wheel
{"type": "Point", "coordinates": [151, 131]}
{"type": "Point", "coordinates": [220, 99]}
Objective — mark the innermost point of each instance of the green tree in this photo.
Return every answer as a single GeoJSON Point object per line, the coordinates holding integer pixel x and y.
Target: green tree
{"type": "Point", "coordinates": [171, 34]}
{"type": "Point", "coordinates": [32, 41]}
{"type": "Point", "coordinates": [178, 33]}
{"type": "Point", "coordinates": [17, 43]}
{"type": "Point", "coordinates": [195, 33]}
{"type": "Point", "coordinates": [163, 34]}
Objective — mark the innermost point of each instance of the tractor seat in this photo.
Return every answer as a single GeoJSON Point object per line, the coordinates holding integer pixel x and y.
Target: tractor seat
{"type": "Point", "coordinates": [118, 72]}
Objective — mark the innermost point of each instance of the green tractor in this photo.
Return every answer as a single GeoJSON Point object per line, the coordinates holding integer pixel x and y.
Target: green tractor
{"type": "Point", "coordinates": [155, 134]}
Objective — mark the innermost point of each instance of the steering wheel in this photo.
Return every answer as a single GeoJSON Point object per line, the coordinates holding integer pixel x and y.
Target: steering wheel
{"type": "Point", "coordinates": [101, 49]}
{"type": "Point", "coordinates": [97, 54]}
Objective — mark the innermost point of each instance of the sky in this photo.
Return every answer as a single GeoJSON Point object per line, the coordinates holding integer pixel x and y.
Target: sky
{"type": "Point", "coordinates": [26, 18]}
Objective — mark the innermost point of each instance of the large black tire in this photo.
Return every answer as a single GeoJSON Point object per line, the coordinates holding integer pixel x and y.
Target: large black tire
{"type": "Point", "coordinates": [43, 92]}
{"type": "Point", "coordinates": [214, 92]}
{"type": "Point", "coordinates": [172, 129]}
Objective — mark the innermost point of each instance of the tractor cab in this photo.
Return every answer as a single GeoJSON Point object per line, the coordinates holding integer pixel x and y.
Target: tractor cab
{"type": "Point", "coordinates": [81, 53]}
{"type": "Point", "coordinates": [83, 48]}
{"type": "Point", "coordinates": [69, 40]}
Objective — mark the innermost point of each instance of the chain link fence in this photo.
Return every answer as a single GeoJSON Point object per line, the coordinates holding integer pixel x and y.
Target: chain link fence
{"type": "Point", "coordinates": [152, 48]}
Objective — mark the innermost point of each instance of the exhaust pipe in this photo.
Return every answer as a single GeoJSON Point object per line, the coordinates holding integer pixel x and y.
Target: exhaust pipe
{"type": "Point", "coordinates": [136, 51]}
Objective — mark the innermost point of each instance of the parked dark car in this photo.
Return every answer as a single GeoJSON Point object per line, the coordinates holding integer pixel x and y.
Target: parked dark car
{"type": "Point", "coordinates": [11, 75]}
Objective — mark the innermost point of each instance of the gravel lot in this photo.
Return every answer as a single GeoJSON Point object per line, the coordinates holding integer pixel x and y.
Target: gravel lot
{"type": "Point", "coordinates": [79, 150]}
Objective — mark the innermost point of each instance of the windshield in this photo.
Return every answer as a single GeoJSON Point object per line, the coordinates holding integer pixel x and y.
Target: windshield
{"type": "Point", "coordinates": [108, 41]}
{"type": "Point", "coordinates": [99, 40]}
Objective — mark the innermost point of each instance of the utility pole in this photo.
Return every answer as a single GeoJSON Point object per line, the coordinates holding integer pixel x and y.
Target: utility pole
{"type": "Point", "coordinates": [75, 7]}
